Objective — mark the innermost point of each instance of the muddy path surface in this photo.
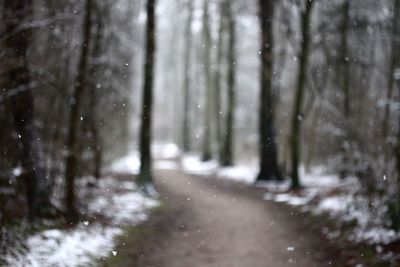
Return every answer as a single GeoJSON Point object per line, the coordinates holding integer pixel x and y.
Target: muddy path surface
{"type": "Point", "coordinates": [209, 222]}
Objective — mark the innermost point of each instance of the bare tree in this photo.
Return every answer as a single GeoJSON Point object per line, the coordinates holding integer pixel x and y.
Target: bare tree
{"type": "Point", "coordinates": [145, 176]}
{"type": "Point", "coordinates": [95, 96]}
{"type": "Point", "coordinates": [394, 63]}
{"type": "Point", "coordinates": [395, 209]}
{"type": "Point", "coordinates": [207, 144]}
{"type": "Point", "coordinates": [297, 116]}
{"type": "Point", "coordinates": [269, 169]}
{"type": "Point", "coordinates": [186, 82]}
{"type": "Point", "coordinates": [71, 163]}
{"type": "Point", "coordinates": [15, 77]}
{"type": "Point", "coordinates": [228, 145]}
{"type": "Point", "coordinates": [344, 80]}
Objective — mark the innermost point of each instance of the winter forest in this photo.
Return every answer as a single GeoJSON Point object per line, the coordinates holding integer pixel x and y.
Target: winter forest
{"type": "Point", "coordinates": [199, 133]}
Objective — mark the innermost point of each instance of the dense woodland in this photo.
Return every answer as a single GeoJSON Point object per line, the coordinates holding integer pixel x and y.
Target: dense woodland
{"type": "Point", "coordinates": [66, 89]}
{"type": "Point", "coordinates": [293, 84]}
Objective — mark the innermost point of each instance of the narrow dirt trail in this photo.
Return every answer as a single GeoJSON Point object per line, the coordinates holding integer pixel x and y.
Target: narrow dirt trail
{"type": "Point", "coordinates": [221, 224]}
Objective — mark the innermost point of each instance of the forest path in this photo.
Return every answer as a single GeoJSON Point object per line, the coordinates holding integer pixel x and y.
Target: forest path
{"type": "Point", "coordinates": [224, 224]}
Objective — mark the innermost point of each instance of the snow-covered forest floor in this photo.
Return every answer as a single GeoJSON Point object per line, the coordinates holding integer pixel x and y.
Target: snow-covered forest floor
{"type": "Point", "coordinates": [110, 206]}
{"type": "Point", "coordinates": [114, 204]}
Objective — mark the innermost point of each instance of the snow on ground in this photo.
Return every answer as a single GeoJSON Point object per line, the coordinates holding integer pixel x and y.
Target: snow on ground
{"type": "Point", "coordinates": [192, 164]}
{"type": "Point", "coordinates": [119, 203]}
{"type": "Point", "coordinates": [166, 151]}
{"type": "Point", "coordinates": [131, 162]}
{"type": "Point", "coordinates": [128, 164]}
{"type": "Point", "coordinates": [240, 173]}
{"type": "Point", "coordinates": [79, 247]}
{"type": "Point", "coordinates": [166, 165]}
{"type": "Point", "coordinates": [126, 208]}
{"type": "Point", "coordinates": [342, 200]}
{"type": "Point", "coordinates": [316, 185]}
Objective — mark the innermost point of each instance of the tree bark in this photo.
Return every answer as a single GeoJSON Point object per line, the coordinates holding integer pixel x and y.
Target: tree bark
{"type": "Point", "coordinates": [145, 176]}
{"type": "Point", "coordinates": [300, 92]}
{"type": "Point", "coordinates": [394, 63]}
{"type": "Point", "coordinates": [207, 148]}
{"type": "Point", "coordinates": [217, 80]}
{"type": "Point", "coordinates": [269, 169]}
{"type": "Point", "coordinates": [228, 148]}
{"type": "Point", "coordinates": [71, 164]}
{"type": "Point", "coordinates": [344, 79]}
{"type": "Point", "coordinates": [15, 76]}
{"type": "Point", "coordinates": [186, 83]}
{"type": "Point", "coordinates": [396, 30]}
{"type": "Point", "coordinates": [95, 73]}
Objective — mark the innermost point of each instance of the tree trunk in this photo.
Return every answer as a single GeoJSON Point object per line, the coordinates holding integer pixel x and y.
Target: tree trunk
{"type": "Point", "coordinates": [311, 146]}
{"type": "Point", "coordinates": [95, 73]}
{"type": "Point", "coordinates": [300, 92]}
{"type": "Point", "coordinates": [186, 83]}
{"type": "Point", "coordinates": [207, 149]}
{"type": "Point", "coordinates": [228, 148]}
{"type": "Point", "coordinates": [269, 169]}
{"type": "Point", "coordinates": [396, 30]}
{"type": "Point", "coordinates": [217, 80]}
{"type": "Point", "coordinates": [71, 164]}
{"type": "Point", "coordinates": [145, 176]}
{"type": "Point", "coordinates": [345, 84]}
{"type": "Point", "coordinates": [15, 76]}
{"type": "Point", "coordinates": [394, 63]}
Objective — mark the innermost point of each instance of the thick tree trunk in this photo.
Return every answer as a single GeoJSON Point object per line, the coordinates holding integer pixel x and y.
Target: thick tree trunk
{"type": "Point", "coordinates": [71, 164]}
{"type": "Point", "coordinates": [269, 169]}
{"type": "Point", "coordinates": [300, 92]}
{"type": "Point", "coordinates": [15, 76]}
{"type": "Point", "coordinates": [145, 176]}
{"type": "Point", "coordinates": [228, 148]}
{"type": "Point", "coordinates": [186, 83]}
{"type": "Point", "coordinates": [207, 148]}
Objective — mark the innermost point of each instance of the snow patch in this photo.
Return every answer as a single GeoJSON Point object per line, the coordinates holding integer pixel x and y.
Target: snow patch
{"type": "Point", "coordinates": [335, 204]}
{"type": "Point", "coordinates": [193, 165]}
{"type": "Point", "coordinates": [120, 203]}
{"type": "Point", "coordinates": [128, 164]}
{"type": "Point", "coordinates": [240, 173]}
{"type": "Point", "coordinates": [88, 242]}
{"type": "Point", "coordinates": [166, 151]}
{"type": "Point", "coordinates": [68, 248]}
{"type": "Point", "coordinates": [375, 235]}
{"type": "Point", "coordinates": [166, 165]}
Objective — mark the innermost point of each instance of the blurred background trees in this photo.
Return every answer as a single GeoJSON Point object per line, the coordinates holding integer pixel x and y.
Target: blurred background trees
{"type": "Point", "coordinates": [65, 59]}
{"type": "Point", "coordinates": [236, 81]}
